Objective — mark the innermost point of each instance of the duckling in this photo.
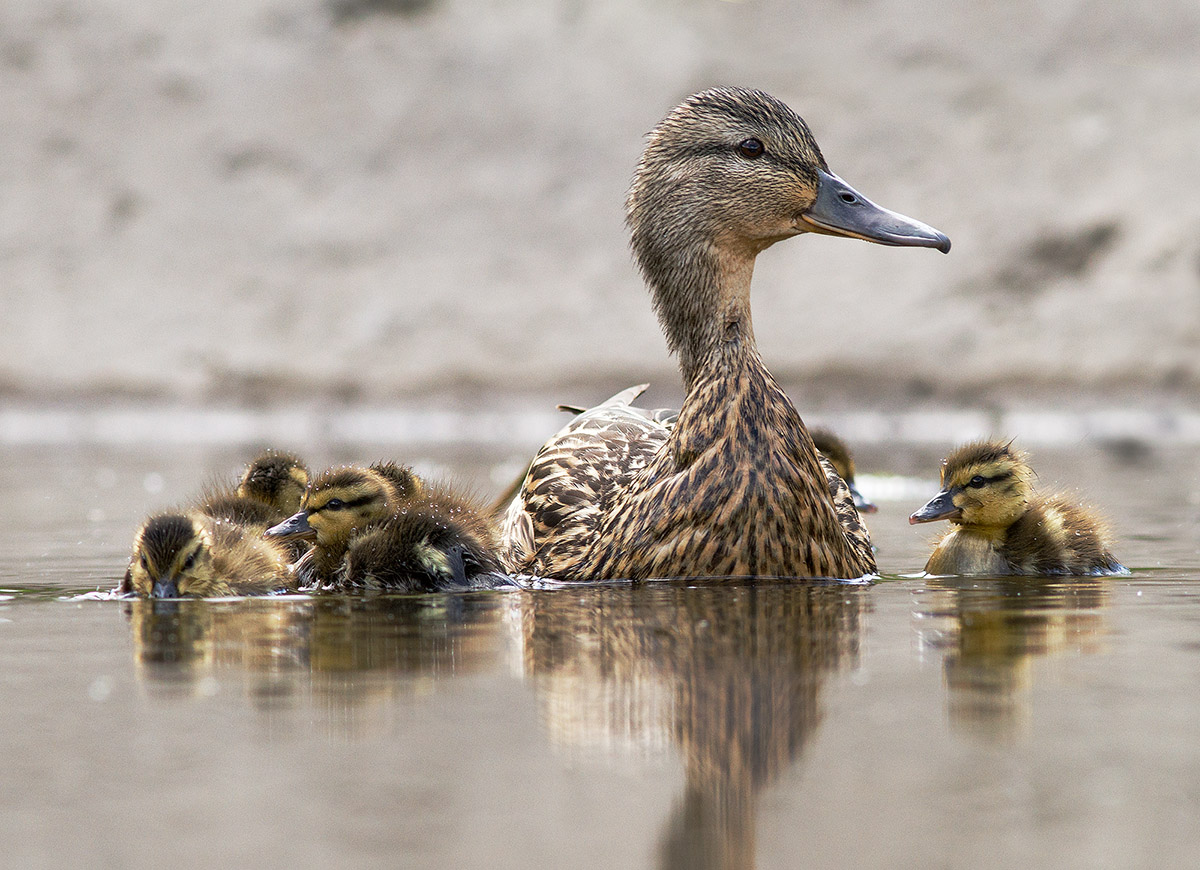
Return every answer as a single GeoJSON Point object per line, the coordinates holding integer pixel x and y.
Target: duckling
{"type": "Point", "coordinates": [269, 490]}
{"type": "Point", "coordinates": [277, 479]}
{"type": "Point", "coordinates": [832, 447]}
{"type": "Point", "coordinates": [192, 555]}
{"type": "Point", "coordinates": [1000, 526]}
{"type": "Point", "coordinates": [384, 528]}
{"type": "Point", "coordinates": [735, 487]}
{"type": "Point", "coordinates": [338, 505]}
{"type": "Point", "coordinates": [440, 542]}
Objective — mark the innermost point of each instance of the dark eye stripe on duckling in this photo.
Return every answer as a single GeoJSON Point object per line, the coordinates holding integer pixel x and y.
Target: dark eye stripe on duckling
{"type": "Point", "coordinates": [346, 504]}
{"type": "Point", "coordinates": [980, 480]}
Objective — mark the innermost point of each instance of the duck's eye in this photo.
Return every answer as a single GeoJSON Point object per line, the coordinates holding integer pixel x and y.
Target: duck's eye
{"type": "Point", "coordinates": [751, 148]}
{"type": "Point", "coordinates": [190, 562]}
{"type": "Point", "coordinates": [334, 504]}
{"type": "Point", "coordinates": [145, 562]}
{"type": "Point", "coordinates": [976, 481]}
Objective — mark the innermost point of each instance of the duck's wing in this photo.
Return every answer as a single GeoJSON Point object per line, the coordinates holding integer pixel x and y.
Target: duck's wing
{"type": "Point", "coordinates": [847, 513]}
{"type": "Point", "coordinates": [572, 481]}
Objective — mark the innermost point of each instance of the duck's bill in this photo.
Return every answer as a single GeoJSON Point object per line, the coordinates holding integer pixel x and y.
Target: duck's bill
{"type": "Point", "coordinates": [940, 507]}
{"type": "Point", "coordinates": [840, 210]}
{"type": "Point", "coordinates": [295, 527]}
{"type": "Point", "coordinates": [164, 587]}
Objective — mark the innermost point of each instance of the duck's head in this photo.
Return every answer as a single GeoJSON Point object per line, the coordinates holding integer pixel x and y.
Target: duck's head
{"type": "Point", "coordinates": [339, 504]}
{"type": "Point", "coordinates": [172, 558]}
{"type": "Point", "coordinates": [833, 448]}
{"type": "Point", "coordinates": [986, 484]}
{"type": "Point", "coordinates": [276, 479]}
{"type": "Point", "coordinates": [740, 168]}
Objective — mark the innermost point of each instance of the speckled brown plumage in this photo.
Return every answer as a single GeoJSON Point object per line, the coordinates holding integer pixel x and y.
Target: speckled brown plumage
{"type": "Point", "coordinates": [735, 488]}
{"type": "Point", "coordinates": [1001, 526]}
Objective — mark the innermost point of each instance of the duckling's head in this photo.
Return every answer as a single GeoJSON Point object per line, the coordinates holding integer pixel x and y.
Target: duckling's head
{"type": "Point", "coordinates": [833, 448]}
{"type": "Point", "coordinates": [985, 485]}
{"type": "Point", "coordinates": [740, 169]}
{"type": "Point", "coordinates": [339, 504]}
{"type": "Point", "coordinates": [172, 558]}
{"type": "Point", "coordinates": [276, 479]}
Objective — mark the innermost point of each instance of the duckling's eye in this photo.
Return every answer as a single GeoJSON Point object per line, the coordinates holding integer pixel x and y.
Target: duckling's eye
{"type": "Point", "coordinates": [145, 562]}
{"type": "Point", "coordinates": [190, 562]}
{"type": "Point", "coordinates": [334, 504]}
{"type": "Point", "coordinates": [751, 148]}
{"type": "Point", "coordinates": [977, 481]}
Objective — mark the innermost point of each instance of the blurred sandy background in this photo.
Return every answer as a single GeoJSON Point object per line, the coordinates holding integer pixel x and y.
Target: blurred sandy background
{"type": "Point", "coordinates": [241, 201]}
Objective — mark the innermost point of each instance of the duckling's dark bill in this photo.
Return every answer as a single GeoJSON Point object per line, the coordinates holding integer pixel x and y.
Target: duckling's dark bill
{"type": "Point", "coordinates": [840, 210]}
{"type": "Point", "coordinates": [295, 527]}
{"type": "Point", "coordinates": [940, 507]}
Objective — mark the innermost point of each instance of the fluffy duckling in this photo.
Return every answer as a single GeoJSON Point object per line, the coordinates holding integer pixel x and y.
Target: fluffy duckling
{"type": "Point", "coordinates": [269, 490]}
{"type": "Point", "coordinates": [178, 555]}
{"type": "Point", "coordinates": [438, 543]}
{"type": "Point", "coordinates": [833, 448]}
{"type": "Point", "coordinates": [340, 504]}
{"type": "Point", "coordinates": [384, 528]}
{"type": "Point", "coordinates": [277, 480]}
{"type": "Point", "coordinates": [735, 487]}
{"type": "Point", "coordinates": [1000, 526]}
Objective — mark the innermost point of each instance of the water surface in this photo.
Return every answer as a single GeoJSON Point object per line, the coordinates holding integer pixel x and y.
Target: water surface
{"type": "Point", "coordinates": [915, 722]}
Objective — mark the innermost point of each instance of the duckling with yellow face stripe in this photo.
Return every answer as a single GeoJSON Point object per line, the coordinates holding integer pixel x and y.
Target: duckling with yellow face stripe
{"type": "Point", "coordinates": [1000, 526]}
{"type": "Point", "coordinates": [383, 528]}
{"type": "Point", "coordinates": [178, 555]}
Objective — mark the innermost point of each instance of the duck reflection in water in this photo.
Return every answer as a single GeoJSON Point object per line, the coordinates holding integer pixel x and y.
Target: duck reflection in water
{"type": "Point", "coordinates": [991, 631]}
{"type": "Point", "coordinates": [731, 677]}
{"type": "Point", "coordinates": [347, 654]}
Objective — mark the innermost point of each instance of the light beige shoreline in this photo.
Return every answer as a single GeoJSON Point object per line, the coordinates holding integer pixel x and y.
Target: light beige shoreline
{"type": "Point", "coordinates": [257, 200]}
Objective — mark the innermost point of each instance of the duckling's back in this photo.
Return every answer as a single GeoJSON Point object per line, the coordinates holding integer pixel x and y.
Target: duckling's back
{"type": "Point", "coordinates": [1058, 536]}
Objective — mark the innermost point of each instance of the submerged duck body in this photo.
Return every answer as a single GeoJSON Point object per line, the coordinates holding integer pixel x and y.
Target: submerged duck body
{"type": "Point", "coordinates": [735, 487]}
{"type": "Point", "coordinates": [1000, 526]}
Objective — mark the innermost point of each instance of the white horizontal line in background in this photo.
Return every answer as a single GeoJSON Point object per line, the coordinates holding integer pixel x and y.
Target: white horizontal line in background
{"type": "Point", "coordinates": [167, 425]}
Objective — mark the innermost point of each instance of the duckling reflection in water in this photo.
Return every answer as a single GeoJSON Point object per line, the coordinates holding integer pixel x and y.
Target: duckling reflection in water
{"type": "Point", "coordinates": [383, 528]}
{"type": "Point", "coordinates": [1000, 526]}
{"type": "Point", "coordinates": [179, 555]}
{"type": "Point", "coordinates": [735, 488]}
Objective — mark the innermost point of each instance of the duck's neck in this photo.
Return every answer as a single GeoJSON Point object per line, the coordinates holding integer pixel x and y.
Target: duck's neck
{"type": "Point", "coordinates": [702, 297]}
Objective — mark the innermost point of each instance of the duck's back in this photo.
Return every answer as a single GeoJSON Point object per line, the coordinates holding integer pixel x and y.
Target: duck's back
{"type": "Point", "coordinates": [734, 488]}
{"type": "Point", "coordinates": [576, 478]}
{"type": "Point", "coordinates": [738, 490]}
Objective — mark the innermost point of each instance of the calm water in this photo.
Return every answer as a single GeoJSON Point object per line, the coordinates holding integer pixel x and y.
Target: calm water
{"type": "Point", "coordinates": [912, 723]}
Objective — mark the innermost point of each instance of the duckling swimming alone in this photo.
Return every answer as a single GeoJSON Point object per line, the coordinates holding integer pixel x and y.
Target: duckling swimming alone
{"type": "Point", "coordinates": [735, 487]}
{"type": "Point", "coordinates": [179, 555]}
{"type": "Point", "coordinates": [1000, 526]}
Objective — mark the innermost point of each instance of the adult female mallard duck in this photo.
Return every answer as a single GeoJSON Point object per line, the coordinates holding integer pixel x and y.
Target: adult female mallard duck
{"type": "Point", "coordinates": [735, 488]}
{"type": "Point", "coordinates": [177, 555]}
{"type": "Point", "coordinates": [384, 528]}
{"type": "Point", "coordinates": [1000, 526]}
